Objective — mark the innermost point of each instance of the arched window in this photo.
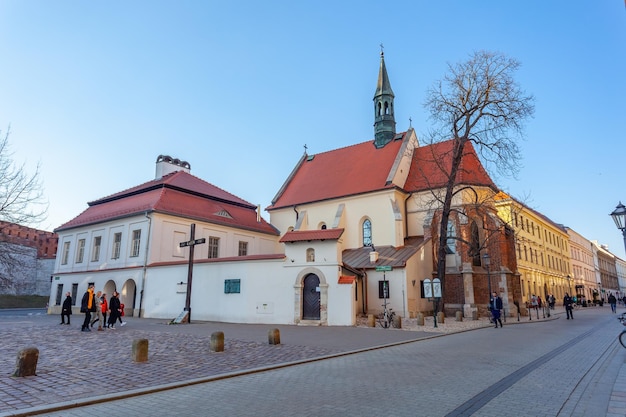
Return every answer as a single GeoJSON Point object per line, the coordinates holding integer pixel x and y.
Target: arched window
{"type": "Point", "coordinates": [475, 245]}
{"type": "Point", "coordinates": [451, 241]}
{"type": "Point", "coordinates": [367, 232]}
{"type": "Point", "coordinates": [310, 255]}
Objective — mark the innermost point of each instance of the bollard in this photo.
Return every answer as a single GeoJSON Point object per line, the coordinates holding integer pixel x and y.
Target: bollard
{"type": "Point", "coordinates": [440, 317]}
{"type": "Point", "coordinates": [273, 337]}
{"type": "Point", "coordinates": [459, 316]}
{"type": "Point", "coordinates": [420, 319]}
{"type": "Point", "coordinates": [397, 321]}
{"type": "Point", "coordinates": [217, 341]}
{"type": "Point", "coordinates": [140, 350]}
{"type": "Point", "coordinates": [26, 364]}
{"type": "Point", "coordinates": [474, 314]}
{"type": "Point", "coordinates": [370, 321]}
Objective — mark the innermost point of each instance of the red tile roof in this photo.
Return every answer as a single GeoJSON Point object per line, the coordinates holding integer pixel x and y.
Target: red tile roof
{"type": "Point", "coordinates": [352, 170]}
{"type": "Point", "coordinates": [308, 235]}
{"type": "Point", "coordinates": [426, 173]}
{"type": "Point", "coordinates": [179, 194]}
{"type": "Point", "coordinates": [346, 279]}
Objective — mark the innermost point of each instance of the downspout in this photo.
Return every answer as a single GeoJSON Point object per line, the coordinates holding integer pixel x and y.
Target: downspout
{"type": "Point", "coordinates": [145, 265]}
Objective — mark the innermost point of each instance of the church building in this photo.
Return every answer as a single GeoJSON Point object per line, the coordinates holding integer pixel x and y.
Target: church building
{"type": "Point", "coordinates": [350, 230]}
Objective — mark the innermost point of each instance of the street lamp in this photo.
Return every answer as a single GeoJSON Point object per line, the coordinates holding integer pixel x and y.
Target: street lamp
{"type": "Point", "coordinates": [569, 284]}
{"type": "Point", "coordinates": [619, 216]}
{"type": "Point", "coordinates": [486, 263]}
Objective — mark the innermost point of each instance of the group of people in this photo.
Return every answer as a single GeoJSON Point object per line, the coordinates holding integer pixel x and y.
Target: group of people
{"type": "Point", "coordinates": [97, 304]}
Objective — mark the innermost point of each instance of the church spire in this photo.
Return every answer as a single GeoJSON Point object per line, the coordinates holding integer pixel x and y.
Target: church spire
{"type": "Point", "coordinates": [384, 120]}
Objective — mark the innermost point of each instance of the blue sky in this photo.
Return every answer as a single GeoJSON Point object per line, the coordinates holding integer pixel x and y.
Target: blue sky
{"type": "Point", "coordinates": [95, 91]}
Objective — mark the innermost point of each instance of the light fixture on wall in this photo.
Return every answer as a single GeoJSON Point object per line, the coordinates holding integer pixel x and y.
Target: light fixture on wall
{"type": "Point", "coordinates": [413, 282]}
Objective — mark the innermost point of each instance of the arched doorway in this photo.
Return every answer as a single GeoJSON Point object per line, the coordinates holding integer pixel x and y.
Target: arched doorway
{"type": "Point", "coordinates": [311, 298]}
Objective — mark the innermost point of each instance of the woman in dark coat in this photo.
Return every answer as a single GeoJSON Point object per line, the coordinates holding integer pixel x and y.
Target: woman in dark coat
{"type": "Point", "coordinates": [114, 306]}
{"type": "Point", "coordinates": [66, 309]}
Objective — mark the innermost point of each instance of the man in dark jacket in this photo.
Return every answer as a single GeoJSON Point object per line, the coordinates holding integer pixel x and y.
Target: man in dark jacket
{"type": "Point", "coordinates": [495, 305]}
{"type": "Point", "coordinates": [66, 309]}
{"type": "Point", "coordinates": [567, 303]}
{"type": "Point", "coordinates": [87, 305]}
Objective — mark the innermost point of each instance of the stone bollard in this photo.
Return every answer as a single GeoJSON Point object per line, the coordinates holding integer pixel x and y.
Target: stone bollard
{"type": "Point", "coordinates": [440, 317]}
{"type": "Point", "coordinates": [420, 319]}
{"type": "Point", "coordinates": [26, 364]}
{"type": "Point", "coordinates": [273, 337]}
{"type": "Point", "coordinates": [371, 322]}
{"type": "Point", "coordinates": [217, 341]}
{"type": "Point", "coordinates": [140, 350]}
{"type": "Point", "coordinates": [459, 316]}
{"type": "Point", "coordinates": [397, 321]}
{"type": "Point", "coordinates": [474, 314]}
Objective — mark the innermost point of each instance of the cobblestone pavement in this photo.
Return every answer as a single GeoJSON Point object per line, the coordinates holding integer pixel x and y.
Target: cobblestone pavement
{"type": "Point", "coordinates": [77, 367]}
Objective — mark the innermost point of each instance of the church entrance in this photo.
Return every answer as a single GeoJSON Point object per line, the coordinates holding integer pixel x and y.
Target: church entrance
{"type": "Point", "coordinates": [311, 298]}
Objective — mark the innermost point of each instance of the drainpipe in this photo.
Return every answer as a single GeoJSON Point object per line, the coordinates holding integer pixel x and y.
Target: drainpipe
{"type": "Point", "coordinates": [145, 264]}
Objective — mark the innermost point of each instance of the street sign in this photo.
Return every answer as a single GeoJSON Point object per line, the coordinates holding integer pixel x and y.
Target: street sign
{"type": "Point", "coordinates": [383, 268]}
{"type": "Point", "coordinates": [192, 242]}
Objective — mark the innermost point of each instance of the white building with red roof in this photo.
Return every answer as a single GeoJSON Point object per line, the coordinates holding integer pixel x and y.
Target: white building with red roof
{"type": "Point", "coordinates": [350, 230]}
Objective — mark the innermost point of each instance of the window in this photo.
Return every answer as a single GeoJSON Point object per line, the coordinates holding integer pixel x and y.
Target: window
{"type": "Point", "coordinates": [74, 293]}
{"type": "Point", "coordinates": [475, 245]}
{"type": "Point", "coordinates": [66, 253]}
{"type": "Point", "coordinates": [117, 243]}
{"type": "Point", "coordinates": [383, 289]}
{"type": "Point", "coordinates": [451, 241]}
{"type": "Point", "coordinates": [367, 233]}
{"type": "Point", "coordinates": [243, 248]}
{"type": "Point", "coordinates": [80, 251]}
{"type": "Point", "coordinates": [95, 254]}
{"type": "Point", "coordinates": [214, 247]}
{"type": "Point", "coordinates": [59, 294]}
{"type": "Point", "coordinates": [136, 243]}
{"type": "Point", "coordinates": [310, 255]}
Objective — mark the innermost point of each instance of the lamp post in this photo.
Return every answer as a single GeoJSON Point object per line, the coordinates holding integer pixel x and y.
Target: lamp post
{"type": "Point", "coordinates": [619, 216]}
{"type": "Point", "coordinates": [486, 263]}
{"type": "Point", "coordinates": [569, 284]}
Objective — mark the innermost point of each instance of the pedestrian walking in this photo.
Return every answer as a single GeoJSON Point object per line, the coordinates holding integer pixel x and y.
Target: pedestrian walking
{"type": "Point", "coordinates": [104, 307]}
{"type": "Point", "coordinates": [567, 303]}
{"type": "Point", "coordinates": [87, 306]}
{"type": "Point", "coordinates": [97, 317]}
{"type": "Point", "coordinates": [613, 302]}
{"type": "Point", "coordinates": [495, 305]}
{"type": "Point", "coordinates": [114, 309]}
{"type": "Point", "coordinates": [66, 308]}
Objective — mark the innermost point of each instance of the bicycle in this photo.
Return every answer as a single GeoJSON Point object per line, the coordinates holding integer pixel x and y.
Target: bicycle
{"type": "Point", "coordinates": [622, 335]}
{"type": "Point", "coordinates": [386, 319]}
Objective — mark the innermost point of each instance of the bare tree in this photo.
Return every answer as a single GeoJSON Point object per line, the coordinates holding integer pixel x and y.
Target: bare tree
{"type": "Point", "coordinates": [21, 202]}
{"type": "Point", "coordinates": [21, 194]}
{"type": "Point", "coordinates": [478, 101]}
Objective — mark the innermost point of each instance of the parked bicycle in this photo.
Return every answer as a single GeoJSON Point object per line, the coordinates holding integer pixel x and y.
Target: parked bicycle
{"type": "Point", "coordinates": [622, 335]}
{"type": "Point", "coordinates": [386, 319]}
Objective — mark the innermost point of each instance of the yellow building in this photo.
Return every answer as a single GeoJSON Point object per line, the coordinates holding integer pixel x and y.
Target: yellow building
{"type": "Point", "coordinates": [541, 248]}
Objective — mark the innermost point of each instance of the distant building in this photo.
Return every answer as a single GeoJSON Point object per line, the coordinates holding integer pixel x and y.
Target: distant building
{"type": "Point", "coordinates": [27, 258]}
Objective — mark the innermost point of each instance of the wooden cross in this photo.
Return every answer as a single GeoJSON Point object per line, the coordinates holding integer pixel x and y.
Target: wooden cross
{"type": "Point", "coordinates": [191, 243]}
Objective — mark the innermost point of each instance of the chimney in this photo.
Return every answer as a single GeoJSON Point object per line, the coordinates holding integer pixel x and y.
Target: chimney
{"type": "Point", "coordinates": [165, 165]}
